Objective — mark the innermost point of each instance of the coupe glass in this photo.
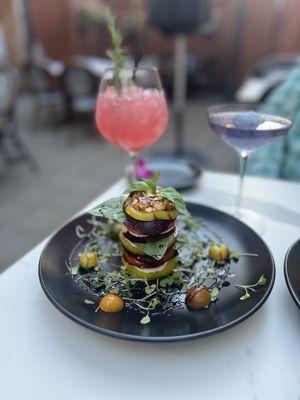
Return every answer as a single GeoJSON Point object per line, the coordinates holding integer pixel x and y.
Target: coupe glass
{"type": "Point", "coordinates": [131, 109]}
{"type": "Point", "coordinates": [246, 129]}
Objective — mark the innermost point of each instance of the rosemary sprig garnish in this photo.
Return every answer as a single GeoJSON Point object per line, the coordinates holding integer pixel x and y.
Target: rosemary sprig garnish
{"type": "Point", "coordinates": [116, 54]}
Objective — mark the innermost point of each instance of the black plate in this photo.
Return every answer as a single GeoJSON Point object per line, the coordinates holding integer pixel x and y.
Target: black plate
{"type": "Point", "coordinates": [176, 172]}
{"type": "Point", "coordinates": [178, 324]}
{"type": "Point", "coordinates": [292, 271]}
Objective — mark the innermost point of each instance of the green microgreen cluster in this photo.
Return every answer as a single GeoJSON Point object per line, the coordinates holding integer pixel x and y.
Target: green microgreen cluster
{"type": "Point", "coordinates": [116, 54]}
{"type": "Point", "coordinates": [161, 295]}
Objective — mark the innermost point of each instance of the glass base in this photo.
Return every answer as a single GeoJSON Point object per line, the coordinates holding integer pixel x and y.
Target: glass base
{"type": "Point", "coordinates": [249, 217]}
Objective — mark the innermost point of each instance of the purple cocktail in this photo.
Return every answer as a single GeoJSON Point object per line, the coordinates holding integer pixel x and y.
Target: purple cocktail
{"type": "Point", "coordinates": [246, 131]}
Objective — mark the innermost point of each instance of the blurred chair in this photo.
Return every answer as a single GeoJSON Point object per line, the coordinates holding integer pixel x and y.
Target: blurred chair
{"type": "Point", "coordinates": [11, 146]}
{"type": "Point", "coordinates": [40, 83]}
{"type": "Point", "coordinates": [80, 87]}
{"type": "Point", "coordinates": [267, 74]}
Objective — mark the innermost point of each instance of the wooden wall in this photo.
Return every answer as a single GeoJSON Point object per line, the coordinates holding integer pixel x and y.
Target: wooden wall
{"type": "Point", "coordinates": [11, 21]}
{"type": "Point", "coordinates": [270, 26]}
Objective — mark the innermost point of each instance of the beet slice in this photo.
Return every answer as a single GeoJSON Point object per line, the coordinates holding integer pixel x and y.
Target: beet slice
{"type": "Point", "coordinates": [152, 228]}
{"type": "Point", "coordinates": [148, 238]}
{"type": "Point", "coordinates": [147, 261]}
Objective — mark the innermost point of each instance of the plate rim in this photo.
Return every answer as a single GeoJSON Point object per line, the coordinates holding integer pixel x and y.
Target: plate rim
{"type": "Point", "coordinates": [286, 273]}
{"type": "Point", "coordinates": [155, 339]}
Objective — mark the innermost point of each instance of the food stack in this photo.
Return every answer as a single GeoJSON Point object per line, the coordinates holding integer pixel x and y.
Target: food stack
{"type": "Point", "coordinates": [148, 235]}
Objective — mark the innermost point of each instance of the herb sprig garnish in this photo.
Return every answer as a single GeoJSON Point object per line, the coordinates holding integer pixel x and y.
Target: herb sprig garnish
{"type": "Point", "coordinates": [251, 288]}
{"type": "Point", "coordinates": [116, 54]}
{"type": "Point", "coordinates": [113, 208]}
{"type": "Point", "coordinates": [169, 193]}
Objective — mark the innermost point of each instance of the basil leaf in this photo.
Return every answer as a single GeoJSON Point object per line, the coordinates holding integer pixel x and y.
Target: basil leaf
{"type": "Point", "coordinates": [111, 209]}
{"type": "Point", "coordinates": [176, 198]}
{"type": "Point", "coordinates": [155, 249]}
{"type": "Point", "coordinates": [149, 185]}
{"type": "Point", "coordinates": [138, 186]}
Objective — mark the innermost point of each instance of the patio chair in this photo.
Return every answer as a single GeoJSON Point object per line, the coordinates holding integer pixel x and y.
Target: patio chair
{"type": "Point", "coordinates": [80, 87]}
{"type": "Point", "coordinates": [11, 145]}
{"type": "Point", "coordinates": [47, 96]}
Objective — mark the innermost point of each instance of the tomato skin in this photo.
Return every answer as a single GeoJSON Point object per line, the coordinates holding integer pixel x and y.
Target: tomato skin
{"type": "Point", "coordinates": [111, 303]}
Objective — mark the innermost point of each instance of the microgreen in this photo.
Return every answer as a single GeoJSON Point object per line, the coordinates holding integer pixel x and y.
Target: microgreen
{"type": "Point", "coordinates": [145, 320]}
{"type": "Point", "coordinates": [162, 294]}
{"type": "Point", "coordinates": [248, 289]}
{"type": "Point", "coordinates": [87, 301]}
{"type": "Point", "coordinates": [214, 293]}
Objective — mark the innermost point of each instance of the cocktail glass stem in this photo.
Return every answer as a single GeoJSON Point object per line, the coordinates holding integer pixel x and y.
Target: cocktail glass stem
{"type": "Point", "coordinates": [131, 170]}
{"type": "Point", "coordinates": [243, 167]}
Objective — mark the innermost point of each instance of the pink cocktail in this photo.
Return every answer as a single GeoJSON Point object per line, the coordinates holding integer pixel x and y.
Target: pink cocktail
{"type": "Point", "coordinates": [133, 118]}
{"type": "Point", "coordinates": [131, 111]}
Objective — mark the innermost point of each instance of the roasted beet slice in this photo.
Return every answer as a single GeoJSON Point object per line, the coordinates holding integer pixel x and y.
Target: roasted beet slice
{"type": "Point", "coordinates": [152, 228]}
{"type": "Point", "coordinates": [147, 261]}
{"type": "Point", "coordinates": [154, 238]}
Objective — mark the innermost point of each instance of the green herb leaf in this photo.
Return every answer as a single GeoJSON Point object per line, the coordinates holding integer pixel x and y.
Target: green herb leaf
{"type": "Point", "coordinates": [175, 197]}
{"type": "Point", "coordinates": [214, 293]}
{"type": "Point", "coordinates": [150, 289]}
{"type": "Point", "coordinates": [111, 209]}
{"type": "Point", "coordinates": [148, 185]}
{"type": "Point", "coordinates": [262, 280]}
{"type": "Point", "coordinates": [245, 297]}
{"type": "Point", "coordinates": [155, 249]}
{"type": "Point", "coordinates": [154, 302]}
{"type": "Point", "coordinates": [145, 320]}
{"type": "Point", "coordinates": [87, 301]}
{"type": "Point", "coordinates": [234, 255]}
{"type": "Point", "coordinates": [73, 270]}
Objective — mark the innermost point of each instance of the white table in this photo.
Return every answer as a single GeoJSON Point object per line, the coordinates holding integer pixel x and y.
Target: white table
{"type": "Point", "coordinates": [44, 355]}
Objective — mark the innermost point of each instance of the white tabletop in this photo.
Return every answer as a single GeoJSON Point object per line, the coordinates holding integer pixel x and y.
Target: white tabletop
{"type": "Point", "coordinates": [44, 355]}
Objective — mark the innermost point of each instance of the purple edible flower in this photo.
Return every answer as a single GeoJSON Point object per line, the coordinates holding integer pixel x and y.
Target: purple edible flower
{"type": "Point", "coordinates": [141, 170]}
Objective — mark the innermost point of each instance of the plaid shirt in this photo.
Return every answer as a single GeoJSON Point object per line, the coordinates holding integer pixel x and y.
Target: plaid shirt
{"type": "Point", "coordinates": [281, 159]}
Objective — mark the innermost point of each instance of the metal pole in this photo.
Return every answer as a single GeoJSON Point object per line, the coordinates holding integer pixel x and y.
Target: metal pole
{"type": "Point", "coordinates": [180, 82]}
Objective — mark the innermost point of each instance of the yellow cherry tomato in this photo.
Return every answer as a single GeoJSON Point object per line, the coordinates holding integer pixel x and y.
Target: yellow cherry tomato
{"type": "Point", "coordinates": [218, 252]}
{"type": "Point", "coordinates": [111, 303]}
{"type": "Point", "coordinates": [197, 298]}
{"type": "Point", "coordinates": [88, 259]}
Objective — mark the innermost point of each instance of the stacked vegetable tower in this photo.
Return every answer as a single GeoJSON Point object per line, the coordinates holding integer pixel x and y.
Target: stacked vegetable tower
{"type": "Point", "coordinates": [149, 233]}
